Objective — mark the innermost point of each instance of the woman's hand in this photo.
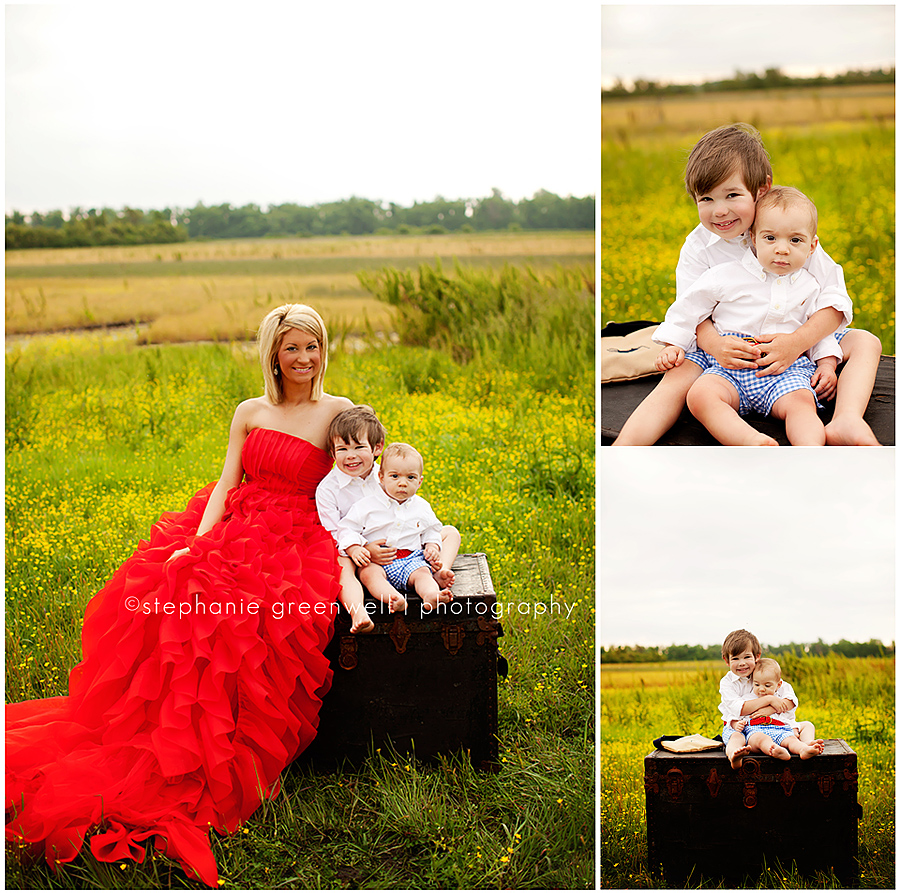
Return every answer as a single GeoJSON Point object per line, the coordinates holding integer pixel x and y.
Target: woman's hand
{"type": "Point", "coordinates": [178, 553]}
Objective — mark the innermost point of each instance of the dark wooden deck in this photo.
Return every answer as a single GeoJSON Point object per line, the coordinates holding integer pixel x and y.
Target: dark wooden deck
{"type": "Point", "coordinates": [618, 401]}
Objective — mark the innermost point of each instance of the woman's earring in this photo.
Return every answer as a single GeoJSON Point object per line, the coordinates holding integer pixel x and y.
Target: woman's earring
{"type": "Point", "coordinates": [276, 370]}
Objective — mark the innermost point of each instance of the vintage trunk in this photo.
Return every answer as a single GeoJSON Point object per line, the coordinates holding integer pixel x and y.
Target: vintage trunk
{"type": "Point", "coordinates": [707, 818]}
{"type": "Point", "coordinates": [423, 682]}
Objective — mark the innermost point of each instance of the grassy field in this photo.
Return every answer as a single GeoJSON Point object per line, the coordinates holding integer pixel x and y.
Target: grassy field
{"type": "Point", "coordinates": [219, 290]}
{"type": "Point", "coordinates": [103, 435]}
{"type": "Point", "coordinates": [845, 166]}
{"type": "Point", "coordinates": [850, 698]}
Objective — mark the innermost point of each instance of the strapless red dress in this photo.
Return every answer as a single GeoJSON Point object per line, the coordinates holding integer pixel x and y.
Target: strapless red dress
{"type": "Point", "coordinates": [200, 681]}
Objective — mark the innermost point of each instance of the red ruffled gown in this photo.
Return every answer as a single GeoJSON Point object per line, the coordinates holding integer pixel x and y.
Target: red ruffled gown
{"type": "Point", "coordinates": [177, 724]}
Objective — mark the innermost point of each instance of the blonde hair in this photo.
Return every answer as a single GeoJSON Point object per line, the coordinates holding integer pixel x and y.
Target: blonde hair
{"type": "Point", "coordinates": [269, 337]}
{"type": "Point", "coordinates": [784, 197]}
{"type": "Point", "coordinates": [739, 641]}
{"type": "Point", "coordinates": [718, 153]}
{"type": "Point", "coordinates": [402, 451]}
{"type": "Point", "coordinates": [767, 666]}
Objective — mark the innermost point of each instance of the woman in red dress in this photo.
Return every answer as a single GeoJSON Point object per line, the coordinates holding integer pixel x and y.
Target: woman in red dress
{"type": "Point", "coordinates": [202, 669]}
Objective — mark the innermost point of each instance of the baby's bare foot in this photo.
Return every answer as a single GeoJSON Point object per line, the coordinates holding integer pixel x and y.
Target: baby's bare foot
{"type": "Point", "coordinates": [362, 622]}
{"type": "Point", "coordinates": [398, 603]}
{"type": "Point", "coordinates": [737, 758]}
{"type": "Point", "coordinates": [849, 431]}
{"type": "Point", "coordinates": [433, 599]}
{"type": "Point", "coordinates": [444, 577]}
{"type": "Point", "coordinates": [811, 749]}
{"type": "Point", "coordinates": [777, 751]}
{"type": "Point", "coordinates": [761, 439]}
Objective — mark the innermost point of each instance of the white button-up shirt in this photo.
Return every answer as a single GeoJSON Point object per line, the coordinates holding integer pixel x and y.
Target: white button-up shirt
{"type": "Point", "coordinates": [735, 690]}
{"type": "Point", "coordinates": [703, 250]}
{"type": "Point", "coordinates": [405, 525]}
{"type": "Point", "coordinates": [741, 296]}
{"type": "Point", "coordinates": [338, 492]}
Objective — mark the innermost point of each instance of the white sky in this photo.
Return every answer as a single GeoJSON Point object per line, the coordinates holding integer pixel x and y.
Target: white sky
{"type": "Point", "coordinates": [794, 544]}
{"type": "Point", "coordinates": [688, 44]}
{"type": "Point", "coordinates": [155, 105]}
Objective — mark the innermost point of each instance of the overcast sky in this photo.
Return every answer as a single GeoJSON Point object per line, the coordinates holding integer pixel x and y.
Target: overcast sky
{"type": "Point", "coordinates": [690, 44]}
{"type": "Point", "coordinates": [155, 105]}
{"type": "Point", "coordinates": [793, 544]}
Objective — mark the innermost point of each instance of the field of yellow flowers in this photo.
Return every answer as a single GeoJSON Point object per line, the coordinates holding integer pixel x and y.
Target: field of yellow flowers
{"type": "Point", "coordinates": [847, 170]}
{"type": "Point", "coordinates": [103, 436]}
{"type": "Point", "coordinates": [849, 698]}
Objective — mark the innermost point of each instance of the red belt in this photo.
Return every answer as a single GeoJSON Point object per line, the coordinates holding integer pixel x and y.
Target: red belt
{"type": "Point", "coordinates": [403, 553]}
{"type": "Point", "coordinates": [766, 721]}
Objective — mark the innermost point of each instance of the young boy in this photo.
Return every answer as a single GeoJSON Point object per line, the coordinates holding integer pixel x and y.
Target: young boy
{"type": "Point", "coordinates": [773, 734]}
{"type": "Point", "coordinates": [741, 651]}
{"type": "Point", "coordinates": [765, 291]}
{"type": "Point", "coordinates": [399, 514]}
{"type": "Point", "coordinates": [355, 438]}
{"type": "Point", "coordinates": [727, 172]}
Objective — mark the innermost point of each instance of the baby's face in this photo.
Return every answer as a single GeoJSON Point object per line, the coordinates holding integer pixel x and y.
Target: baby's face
{"type": "Point", "coordinates": [742, 664]}
{"type": "Point", "coordinates": [729, 208]}
{"type": "Point", "coordinates": [765, 684]}
{"type": "Point", "coordinates": [783, 239]}
{"type": "Point", "coordinates": [400, 477]}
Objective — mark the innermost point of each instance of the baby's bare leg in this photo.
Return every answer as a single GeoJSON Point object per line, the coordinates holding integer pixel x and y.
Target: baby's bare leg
{"type": "Point", "coordinates": [806, 731]}
{"type": "Point", "coordinates": [450, 545]}
{"type": "Point", "coordinates": [427, 588]}
{"type": "Point", "coordinates": [714, 403]}
{"type": "Point", "coordinates": [736, 749]}
{"type": "Point", "coordinates": [801, 421]}
{"type": "Point", "coordinates": [660, 409]}
{"type": "Point", "coordinates": [352, 598]}
{"type": "Point", "coordinates": [764, 744]}
{"type": "Point", "coordinates": [805, 750]}
{"type": "Point", "coordinates": [862, 353]}
{"type": "Point", "coordinates": [373, 576]}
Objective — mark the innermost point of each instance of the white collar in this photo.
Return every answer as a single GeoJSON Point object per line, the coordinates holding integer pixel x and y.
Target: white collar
{"type": "Point", "coordinates": [345, 480]}
{"type": "Point", "coordinates": [714, 238]}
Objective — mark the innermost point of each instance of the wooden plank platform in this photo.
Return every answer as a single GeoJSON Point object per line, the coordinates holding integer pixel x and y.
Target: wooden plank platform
{"type": "Point", "coordinates": [618, 400]}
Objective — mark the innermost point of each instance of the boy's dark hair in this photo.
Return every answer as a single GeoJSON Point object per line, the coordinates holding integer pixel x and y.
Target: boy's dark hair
{"type": "Point", "coordinates": [718, 153]}
{"type": "Point", "coordinates": [739, 641]}
{"type": "Point", "coordinates": [357, 423]}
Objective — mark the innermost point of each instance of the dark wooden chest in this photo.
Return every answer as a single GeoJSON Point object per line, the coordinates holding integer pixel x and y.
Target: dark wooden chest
{"type": "Point", "coordinates": [705, 818]}
{"type": "Point", "coordinates": [422, 682]}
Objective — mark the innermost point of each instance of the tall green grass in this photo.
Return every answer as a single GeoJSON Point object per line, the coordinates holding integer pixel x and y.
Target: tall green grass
{"type": "Point", "coordinates": [103, 436]}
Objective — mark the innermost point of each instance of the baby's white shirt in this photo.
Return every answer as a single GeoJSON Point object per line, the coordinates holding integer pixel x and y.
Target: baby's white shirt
{"type": "Point", "coordinates": [405, 525]}
{"type": "Point", "coordinates": [735, 690]}
{"type": "Point", "coordinates": [741, 296]}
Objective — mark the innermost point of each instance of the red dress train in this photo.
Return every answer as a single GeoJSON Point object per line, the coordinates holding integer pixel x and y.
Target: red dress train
{"type": "Point", "coordinates": [200, 680]}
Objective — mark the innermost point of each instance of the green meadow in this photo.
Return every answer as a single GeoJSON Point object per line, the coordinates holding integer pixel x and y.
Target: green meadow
{"type": "Point", "coordinates": [849, 698]}
{"type": "Point", "coordinates": [105, 433]}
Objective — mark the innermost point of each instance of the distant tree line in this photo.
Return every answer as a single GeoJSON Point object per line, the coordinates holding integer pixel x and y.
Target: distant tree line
{"type": "Point", "coordinates": [772, 77]}
{"type": "Point", "coordinates": [638, 654]}
{"type": "Point", "coordinates": [353, 216]}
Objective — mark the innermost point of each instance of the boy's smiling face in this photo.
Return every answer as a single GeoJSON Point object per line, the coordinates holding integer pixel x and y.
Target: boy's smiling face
{"type": "Point", "coordinates": [742, 664]}
{"type": "Point", "coordinates": [355, 458]}
{"type": "Point", "coordinates": [729, 208]}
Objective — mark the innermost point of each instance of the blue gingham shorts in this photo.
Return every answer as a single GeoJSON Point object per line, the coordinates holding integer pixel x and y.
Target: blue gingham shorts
{"type": "Point", "coordinates": [399, 570]}
{"type": "Point", "coordinates": [759, 394]}
{"type": "Point", "coordinates": [776, 733]}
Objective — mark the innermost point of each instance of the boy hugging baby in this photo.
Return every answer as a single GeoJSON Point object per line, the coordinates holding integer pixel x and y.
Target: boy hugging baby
{"type": "Point", "coordinates": [758, 313]}
{"type": "Point", "coordinates": [758, 708]}
{"type": "Point", "coordinates": [382, 527]}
